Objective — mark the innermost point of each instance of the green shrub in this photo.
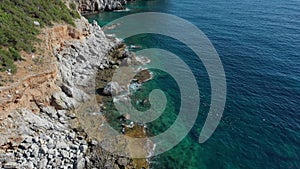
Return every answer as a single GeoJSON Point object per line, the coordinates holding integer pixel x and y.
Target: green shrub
{"type": "Point", "coordinates": [73, 6]}
{"type": "Point", "coordinates": [17, 29]}
{"type": "Point", "coordinates": [15, 54]}
{"type": "Point", "coordinates": [7, 62]}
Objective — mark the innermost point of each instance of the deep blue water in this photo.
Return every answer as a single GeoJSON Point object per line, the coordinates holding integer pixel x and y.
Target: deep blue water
{"type": "Point", "coordinates": [259, 45]}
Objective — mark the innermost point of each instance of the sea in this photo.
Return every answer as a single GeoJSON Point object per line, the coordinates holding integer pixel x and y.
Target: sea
{"type": "Point", "coordinates": [258, 43]}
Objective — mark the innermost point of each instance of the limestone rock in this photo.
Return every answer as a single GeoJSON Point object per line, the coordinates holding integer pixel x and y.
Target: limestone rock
{"type": "Point", "coordinates": [50, 111]}
{"type": "Point", "coordinates": [36, 23]}
{"type": "Point", "coordinates": [112, 88]}
{"type": "Point", "coordinates": [10, 165]}
{"type": "Point", "coordinates": [101, 5]}
{"type": "Point", "coordinates": [62, 101]}
{"type": "Point", "coordinates": [30, 165]}
{"type": "Point", "coordinates": [35, 119]}
{"type": "Point", "coordinates": [43, 163]}
{"type": "Point", "coordinates": [80, 164]}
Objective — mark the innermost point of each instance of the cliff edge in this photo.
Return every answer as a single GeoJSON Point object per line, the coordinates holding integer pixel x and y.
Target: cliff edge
{"type": "Point", "coordinates": [39, 121]}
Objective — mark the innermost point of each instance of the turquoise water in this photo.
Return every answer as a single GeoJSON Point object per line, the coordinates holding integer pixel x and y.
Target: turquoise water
{"type": "Point", "coordinates": [259, 45]}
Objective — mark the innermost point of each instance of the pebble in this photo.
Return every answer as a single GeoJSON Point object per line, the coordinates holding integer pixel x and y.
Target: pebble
{"type": "Point", "coordinates": [51, 152]}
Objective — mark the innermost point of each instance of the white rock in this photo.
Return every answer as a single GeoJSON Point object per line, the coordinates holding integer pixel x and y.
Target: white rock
{"type": "Point", "coordinates": [112, 88]}
{"type": "Point", "coordinates": [35, 119]}
{"type": "Point", "coordinates": [43, 163]}
{"type": "Point", "coordinates": [10, 165]}
{"type": "Point", "coordinates": [65, 154]}
{"type": "Point", "coordinates": [61, 145]}
{"type": "Point", "coordinates": [50, 110]}
{"type": "Point", "coordinates": [63, 101]}
{"type": "Point", "coordinates": [35, 150]}
{"type": "Point", "coordinates": [36, 23]}
{"type": "Point", "coordinates": [80, 164]}
{"type": "Point", "coordinates": [30, 165]}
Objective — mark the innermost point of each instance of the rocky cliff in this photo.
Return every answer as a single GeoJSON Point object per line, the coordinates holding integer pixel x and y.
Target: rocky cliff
{"type": "Point", "coordinates": [52, 135]}
{"type": "Point", "coordinates": [36, 121]}
{"type": "Point", "coordinates": [90, 6]}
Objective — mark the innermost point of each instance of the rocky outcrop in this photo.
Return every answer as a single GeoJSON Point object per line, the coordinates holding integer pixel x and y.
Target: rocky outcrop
{"type": "Point", "coordinates": [53, 137]}
{"type": "Point", "coordinates": [80, 59]}
{"type": "Point", "coordinates": [112, 89]}
{"type": "Point", "coordinates": [88, 6]}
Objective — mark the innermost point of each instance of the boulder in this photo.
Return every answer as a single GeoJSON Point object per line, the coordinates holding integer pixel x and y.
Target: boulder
{"type": "Point", "coordinates": [80, 164]}
{"type": "Point", "coordinates": [61, 101]}
{"type": "Point", "coordinates": [43, 163]}
{"type": "Point", "coordinates": [112, 88]}
{"type": "Point", "coordinates": [10, 165]}
{"type": "Point", "coordinates": [35, 120]}
{"type": "Point", "coordinates": [126, 62]}
{"type": "Point", "coordinates": [34, 150]}
{"type": "Point", "coordinates": [30, 165]}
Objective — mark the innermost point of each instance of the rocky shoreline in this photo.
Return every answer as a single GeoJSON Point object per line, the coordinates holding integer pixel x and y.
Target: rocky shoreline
{"type": "Point", "coordinates": [87, 7]}
{"type": "Point", "coordinates": [55, 137]}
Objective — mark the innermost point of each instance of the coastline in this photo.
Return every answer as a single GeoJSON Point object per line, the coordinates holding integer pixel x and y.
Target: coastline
{"type": "Point", "coordinates": [27, 145]}
{"type": "Point", "coordinates": [256, 42]}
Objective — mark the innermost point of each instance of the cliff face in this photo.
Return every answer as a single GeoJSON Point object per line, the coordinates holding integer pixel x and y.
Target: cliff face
{"type": "Point", "coordinates": [46, 120]}
{"type": "Point", "coordinates": [88, 6]}
{"type": "Point", "coordinates": [35, 120]}
{"type": "Point", "coordinates": [43, 127]}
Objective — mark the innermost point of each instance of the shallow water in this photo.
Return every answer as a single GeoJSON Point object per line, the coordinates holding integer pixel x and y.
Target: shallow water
{"type": "Point", "coordinates": [259, 45]}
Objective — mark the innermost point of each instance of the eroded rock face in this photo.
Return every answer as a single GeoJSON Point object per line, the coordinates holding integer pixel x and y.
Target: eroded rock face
{"type": "Point", "coordinates": [101, 5]}
{"type": "Point", "coordinates": [78, 62]}
{"type": "Point", "coordinates": [47, 139]}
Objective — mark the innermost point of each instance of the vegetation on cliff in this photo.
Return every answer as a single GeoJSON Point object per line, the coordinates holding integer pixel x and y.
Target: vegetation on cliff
{"type": "Point", "coordinates": [20, 21]}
